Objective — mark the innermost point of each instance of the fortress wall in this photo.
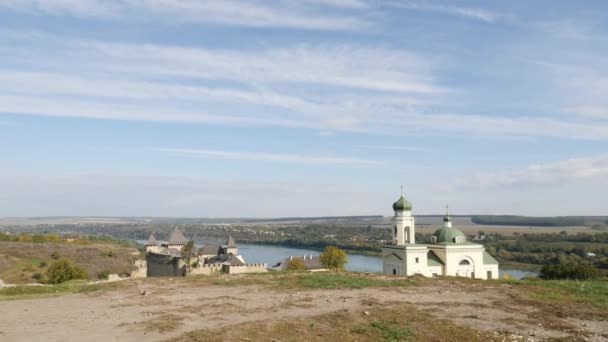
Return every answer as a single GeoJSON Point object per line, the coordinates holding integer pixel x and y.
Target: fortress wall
{"type": "Point", "coordinates": [141, 271]}
{"type": "Point", "coordinates": [248, 268]}
{"type": "Point", "coordinates": [206, 269]}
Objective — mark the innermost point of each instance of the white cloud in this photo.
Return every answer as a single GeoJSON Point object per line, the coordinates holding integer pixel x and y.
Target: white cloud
{"type": "Point", "coordinates": [471, 13]}
{"type": "Point", "coordinates": [266, 157]}
{"type": "Point", "coordinates": [538, 174]}
{"type": "Point", "coordinates": [225, 12]}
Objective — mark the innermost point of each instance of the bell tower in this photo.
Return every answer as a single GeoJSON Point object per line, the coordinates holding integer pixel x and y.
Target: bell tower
{"type": "Point", "coordinates": [403, 222]}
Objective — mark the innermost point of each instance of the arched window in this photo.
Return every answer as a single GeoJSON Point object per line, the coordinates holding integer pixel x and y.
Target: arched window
{"type": "Point", "coordinates": [433, 239]}
{"type": "Point", "coordinates": [394, 271]}
{"type": "Point", "coordinates": [395, 231]}
{"type": "Point", "coordinates": [464, 262]}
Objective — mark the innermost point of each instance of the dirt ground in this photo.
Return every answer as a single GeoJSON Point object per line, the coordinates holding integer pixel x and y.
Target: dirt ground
{"type": "Point", "coordinates": [171, 307]}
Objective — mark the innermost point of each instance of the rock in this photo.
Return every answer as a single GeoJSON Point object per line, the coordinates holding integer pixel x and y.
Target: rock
{"type": "Point", "coordinates": [366, 313]}
{"type": "Point", "coordinates": [143, 293]}
{"type": "Point", "coordinates": [584, 324]}
{"type": "Point", "coordinates": [532, 333]}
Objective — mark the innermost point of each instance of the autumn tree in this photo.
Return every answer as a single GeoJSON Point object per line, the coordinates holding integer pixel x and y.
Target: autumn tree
{"type": "Point", "coordinates": [333, 258]}
{"type": "Point", "coordinates": [296, 264]}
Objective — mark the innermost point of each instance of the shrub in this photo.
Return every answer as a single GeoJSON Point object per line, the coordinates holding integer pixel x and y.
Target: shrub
{"type": "Point", "coordinates": [28, 268]}
{"type": "Point", "coordinates": [43, 264]}
{"type": "Point", "coordinates": [565, 271]}
{"type": "Point", "coordinates": [103, 275]}
{"type": "Point", "coordinates": [333, 258]}
{"type": "Point", "coordinates": [108, 254]}
{"type": "Point", "coordinates": [55, 255]}
{"type": "Point", "coordinates": [63, 270]}
{"type": "Point", "coordinates": [296, 264]}
{"type": "Point", "coordinates": [37, 276]}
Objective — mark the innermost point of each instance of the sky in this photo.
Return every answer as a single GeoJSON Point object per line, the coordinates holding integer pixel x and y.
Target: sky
{"type": "Point", "coordinates": [302, 107]}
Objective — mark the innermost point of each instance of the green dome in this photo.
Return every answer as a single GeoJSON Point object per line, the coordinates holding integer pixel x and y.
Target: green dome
{"type": "Point", "coordinates": [402, 204]}
{"type": "Point", "coordinates": [446, 234]}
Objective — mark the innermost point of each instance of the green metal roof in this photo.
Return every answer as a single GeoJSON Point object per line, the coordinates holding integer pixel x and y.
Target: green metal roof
{"type": "Point", "coordinates": [488, 259]}
{"type": "Point", "coordinates": [402, 204]}
{"type": "Point", "coordinates": [446, 234]}
{"type": "Point", "coordinates": [433, 259]}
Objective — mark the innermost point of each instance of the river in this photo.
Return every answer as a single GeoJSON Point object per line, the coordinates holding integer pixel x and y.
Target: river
{"type": "Point", "coordinates": [271, 254]}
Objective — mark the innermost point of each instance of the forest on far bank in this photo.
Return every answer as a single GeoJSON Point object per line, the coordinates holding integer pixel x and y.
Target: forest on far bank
{"type": "Point", "coordinates": [595, 222]}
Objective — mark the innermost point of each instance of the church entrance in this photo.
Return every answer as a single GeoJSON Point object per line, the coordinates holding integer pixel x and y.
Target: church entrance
{"type": "Point", "coordinates": [466, 268]}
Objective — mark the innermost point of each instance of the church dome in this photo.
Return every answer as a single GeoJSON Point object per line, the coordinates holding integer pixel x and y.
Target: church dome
{"type": "Point", "coordinates": [446, 234]}
{"type": "Point", "coordinates": [402, 204]}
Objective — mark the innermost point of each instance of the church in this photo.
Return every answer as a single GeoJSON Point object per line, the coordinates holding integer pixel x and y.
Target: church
{"type": "Point", "coordinates": [448, 253]}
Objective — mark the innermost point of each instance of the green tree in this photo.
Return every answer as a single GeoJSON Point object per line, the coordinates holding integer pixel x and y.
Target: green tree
{"type": "Point", "coordinates": [63, 270]}
{"type": "Point", "coordinates": [296, 264]}
{"type": "Point", "coordinates": [188, 251]}
{"type": "Point", "coordinates": [333, 258]}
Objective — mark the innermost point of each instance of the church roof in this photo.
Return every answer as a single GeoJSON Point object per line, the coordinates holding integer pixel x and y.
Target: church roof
{"type": "Point", "coordinates": [402, 204]}
{"type": "Point", "coordinates": [433, 259]}
{"type": "Point", "coordinates": [488, 259]}
{"type": "Point", "coordinates": [230, 243]}
{"type": "Point", "coordinates": [151, 240]}
{"type": "Point", "coordinates": [177, 237]}
{"type": "Point", "coordinates": [448, 235]}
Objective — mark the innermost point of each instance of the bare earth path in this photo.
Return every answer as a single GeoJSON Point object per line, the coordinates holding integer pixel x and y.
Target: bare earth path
{"type": "Point", "coordinates": [171, 307]}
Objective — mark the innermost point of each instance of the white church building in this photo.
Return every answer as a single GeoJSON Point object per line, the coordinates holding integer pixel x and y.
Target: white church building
{"type": "Point", "coordinates": [447, 254]}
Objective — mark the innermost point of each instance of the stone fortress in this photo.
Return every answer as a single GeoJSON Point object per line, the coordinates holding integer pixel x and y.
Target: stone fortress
{"type": "Point", "coordinates": [448, 253]}
{"type": "Point", "coordinates": [168, 259]}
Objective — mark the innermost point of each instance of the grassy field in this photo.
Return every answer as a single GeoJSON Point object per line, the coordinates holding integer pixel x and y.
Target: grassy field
{"type": "Point", "coordinates": [19, 261]}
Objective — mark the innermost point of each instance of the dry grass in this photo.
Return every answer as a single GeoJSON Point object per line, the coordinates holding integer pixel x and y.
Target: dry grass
{"type": "Point", "coordinates": [398, 323]}
{"type": "Point", "coordinates": [163, 323]}
{"type": "Point", "coordinates": [20, 260]}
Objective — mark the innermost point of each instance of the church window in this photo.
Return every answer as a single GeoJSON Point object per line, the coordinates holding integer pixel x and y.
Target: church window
{"type": "Point", "coordinates": [394, 271]}
{"type": "Point", "coordinates": [464, 262]}
{"type": "Point", "coordinates": [433, 239]}
{"type": "Point", "coordinates": [395, 231]}
{"type": "Point", "coordinates": [417, 260]}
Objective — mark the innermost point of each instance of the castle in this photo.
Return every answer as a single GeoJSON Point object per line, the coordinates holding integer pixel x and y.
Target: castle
{"type": "Point", "coordinates": [448, 252]}
{"type": "Point", "coordinates": [170, 259]}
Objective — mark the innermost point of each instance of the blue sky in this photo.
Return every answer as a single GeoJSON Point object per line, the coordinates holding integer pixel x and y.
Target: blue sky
{"type": "Point", "coordinates": [302, 108]}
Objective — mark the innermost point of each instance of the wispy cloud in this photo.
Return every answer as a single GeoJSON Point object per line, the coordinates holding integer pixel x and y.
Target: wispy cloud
{"type": "Point", "coordinates": [271, 87]}
{"type": "Point", "coordinates": [540, 174]}
{"type": "Point", "coordinates": [591, 112]}
{"type": "Point", "coordinates": [225, 12]}
{"type": "Point", "coordinates": [390, 147]}
{"type": "Point", "coordinates": [470, 13]}
{"type": "Point", "coordinates": [266, 157]}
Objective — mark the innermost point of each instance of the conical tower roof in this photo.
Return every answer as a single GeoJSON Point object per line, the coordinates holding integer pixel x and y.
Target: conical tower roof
{"type": "Point", "coordinates": [230, 243]}
{"type": "Point", "coordinates": [151, 240]}
{"type": "Point", "coordinates": [177, 237]}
